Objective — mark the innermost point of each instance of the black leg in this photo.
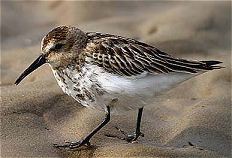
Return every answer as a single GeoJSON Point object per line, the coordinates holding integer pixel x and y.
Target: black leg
{"type": "Point", "coordinates": [131, 137]}
{"type": "Point", "coordinates": [104, 122]}
{"type": "Point", "coordinates": [139, 118]}
{"type": "Point", "coordinates": [86, 140]}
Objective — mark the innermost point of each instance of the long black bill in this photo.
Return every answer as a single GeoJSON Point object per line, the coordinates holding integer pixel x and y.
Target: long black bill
{"type": "Point", "coordinates": [37, 63]}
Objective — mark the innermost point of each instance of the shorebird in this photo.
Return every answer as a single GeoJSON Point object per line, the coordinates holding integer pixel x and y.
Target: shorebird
{"type": "Point", "coordinates": [109, 72]}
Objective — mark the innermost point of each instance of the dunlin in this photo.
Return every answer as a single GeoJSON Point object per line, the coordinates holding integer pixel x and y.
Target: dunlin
{"type": "Point", "coordinates": [110, 72]}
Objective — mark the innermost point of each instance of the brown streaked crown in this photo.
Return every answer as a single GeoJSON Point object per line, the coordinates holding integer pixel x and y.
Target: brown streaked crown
{"type": "Point", "coordinates": [57, 34]}
{"type": "Point", "coordinates": [63, 45]}
{"type": "Point", "coordinates": [68, 35]}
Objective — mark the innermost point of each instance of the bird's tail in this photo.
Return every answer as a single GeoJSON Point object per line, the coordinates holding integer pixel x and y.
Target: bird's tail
{"type": "Point", "coordinates": [211, 64]}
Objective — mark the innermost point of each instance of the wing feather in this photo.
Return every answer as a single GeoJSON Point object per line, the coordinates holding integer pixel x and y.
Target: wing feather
{"type": "Point", "coordinates": [128, 57]}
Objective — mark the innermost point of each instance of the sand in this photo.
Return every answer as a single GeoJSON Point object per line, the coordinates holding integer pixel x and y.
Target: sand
{"type": "Point", "coordinates": [191, 120]}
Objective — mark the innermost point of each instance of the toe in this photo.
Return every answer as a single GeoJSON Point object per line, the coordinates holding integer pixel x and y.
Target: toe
{"type": "Point", "coordinates": [60, 146]}
{"type": "Point", "coordinates": [141, 134]}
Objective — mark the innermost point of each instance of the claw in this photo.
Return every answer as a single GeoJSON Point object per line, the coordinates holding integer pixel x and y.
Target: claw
{"type": "Point", "coordinates": [124, 133]}
{"type": "Point", "coordinates": [110, 135]}
{"type": "Point", "coordinates": [130, 138]}
{"type": "Point", "coordinates": [59, 146]}
{"type": "Point", "coordinates": [114, 136]}
{"type": "Point", "coordinates": [88, 144]}
{"type": "Point", "coordinates": [55, 145]}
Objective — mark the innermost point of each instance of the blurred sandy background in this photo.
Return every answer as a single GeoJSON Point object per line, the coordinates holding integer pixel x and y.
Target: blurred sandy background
{"type": "Point", "coordinates": [36, 114]}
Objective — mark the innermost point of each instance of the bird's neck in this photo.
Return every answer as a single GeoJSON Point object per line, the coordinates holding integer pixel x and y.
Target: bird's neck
{"type": "Point", "coordinates": [74, 62]}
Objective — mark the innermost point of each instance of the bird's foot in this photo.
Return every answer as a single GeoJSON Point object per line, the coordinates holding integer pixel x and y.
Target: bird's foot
{"type": "Point", "coordinates": [130, 138]}
{"type": "Point", "coordinates": [73, 145]}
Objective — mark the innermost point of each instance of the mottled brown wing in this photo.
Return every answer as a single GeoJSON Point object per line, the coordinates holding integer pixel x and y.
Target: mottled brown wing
{"type": "Point", "coordinates": [125, 56]}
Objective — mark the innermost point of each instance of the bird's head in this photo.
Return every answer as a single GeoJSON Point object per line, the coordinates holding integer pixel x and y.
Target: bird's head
{"type": "Point", "coordinates": [59, 47]}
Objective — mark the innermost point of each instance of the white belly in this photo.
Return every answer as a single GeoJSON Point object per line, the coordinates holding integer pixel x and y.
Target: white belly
{"type": "Point", "coordinates": [121, 93]}
{"type": "Point", "coordinates": [133, 93]}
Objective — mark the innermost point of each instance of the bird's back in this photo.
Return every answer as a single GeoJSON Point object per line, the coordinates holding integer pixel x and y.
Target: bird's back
{"type": "Point", "coordinates": [129, 57]}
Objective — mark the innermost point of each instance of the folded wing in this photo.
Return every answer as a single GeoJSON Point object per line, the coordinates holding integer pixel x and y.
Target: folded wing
{"type": "Point", "coordinates": [128, 57]}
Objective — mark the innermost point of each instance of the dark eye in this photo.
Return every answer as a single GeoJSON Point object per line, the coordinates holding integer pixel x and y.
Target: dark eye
{"type": "Point", "coordinates": [59, 46]}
